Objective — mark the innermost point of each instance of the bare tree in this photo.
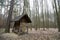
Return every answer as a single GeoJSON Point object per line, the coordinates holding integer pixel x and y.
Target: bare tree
{"type": "Point", "coordinates": [58, 16]}
{"type": "Point", "coordinates": [9, 16]}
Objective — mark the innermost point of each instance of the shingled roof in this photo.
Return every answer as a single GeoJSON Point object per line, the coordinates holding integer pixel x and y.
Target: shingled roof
{"type": "Point", "coordinates": [22, 16]}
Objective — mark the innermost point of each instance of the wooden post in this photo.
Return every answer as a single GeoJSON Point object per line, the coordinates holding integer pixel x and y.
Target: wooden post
{"type": "Point", "coordinates": [19, 30]}
{"type": "Point", "coordinates": [27, 29]}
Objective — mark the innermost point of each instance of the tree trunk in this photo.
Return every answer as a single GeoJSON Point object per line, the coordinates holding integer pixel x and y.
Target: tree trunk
{"type": "Point", "coordinates": [58, 18]}
{"type": "Point", "coordinates": [7, 30]}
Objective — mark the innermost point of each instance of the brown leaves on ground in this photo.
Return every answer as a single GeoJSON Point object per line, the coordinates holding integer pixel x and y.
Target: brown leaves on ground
{"type": "Point", "coordinates": [32, 35]}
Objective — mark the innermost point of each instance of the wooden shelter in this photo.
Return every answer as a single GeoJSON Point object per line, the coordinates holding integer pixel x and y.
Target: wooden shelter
{"type": "Point", "coordinates": [20, 23]}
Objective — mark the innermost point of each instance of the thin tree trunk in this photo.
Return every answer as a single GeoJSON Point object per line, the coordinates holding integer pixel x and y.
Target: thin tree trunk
{"type": "Point", "coordinates": [43, 15]}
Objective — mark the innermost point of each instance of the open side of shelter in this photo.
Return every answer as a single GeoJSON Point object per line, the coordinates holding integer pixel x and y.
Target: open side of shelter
{"type": "Point", "coordinates": [20, 23]}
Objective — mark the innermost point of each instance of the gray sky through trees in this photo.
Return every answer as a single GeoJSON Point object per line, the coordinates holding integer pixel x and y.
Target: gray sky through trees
{"type": "Point", "coordinates": [49, 2]}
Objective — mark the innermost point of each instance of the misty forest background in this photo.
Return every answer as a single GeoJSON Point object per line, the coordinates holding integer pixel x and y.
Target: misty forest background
{"type": "Point", "coordinates": [43, 13]}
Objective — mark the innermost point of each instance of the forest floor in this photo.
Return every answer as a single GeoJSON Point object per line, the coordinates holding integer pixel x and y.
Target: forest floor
{"type": "Point", "coordinates": [51, 34]}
